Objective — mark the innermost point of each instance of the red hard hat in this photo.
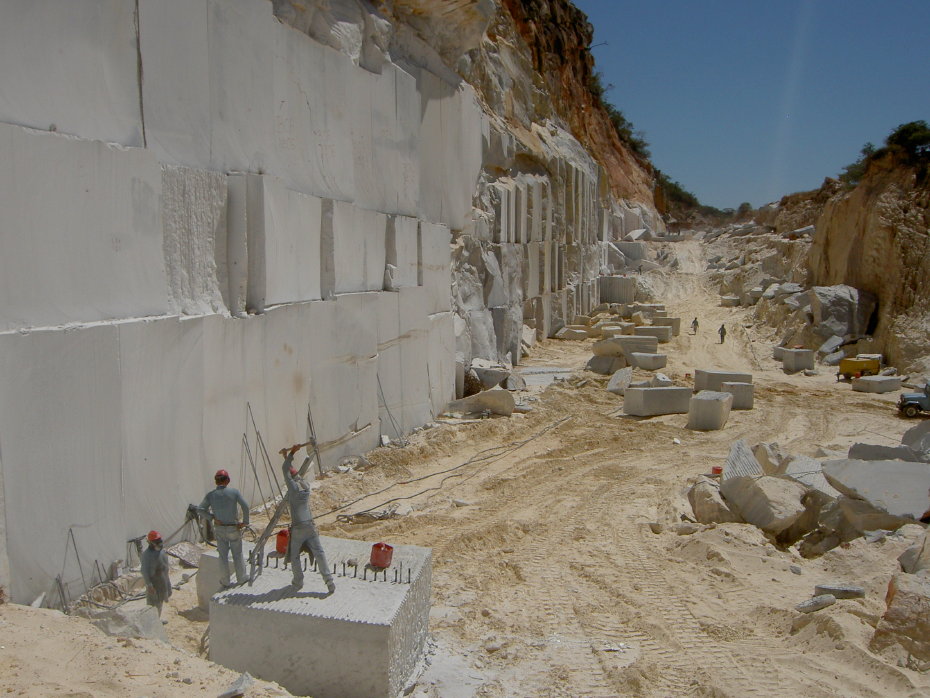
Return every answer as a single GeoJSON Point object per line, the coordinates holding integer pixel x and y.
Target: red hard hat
{"type": "Point", "coordinates": [221, 475]}
{"type": "Point", "coordinates": [153, 536]}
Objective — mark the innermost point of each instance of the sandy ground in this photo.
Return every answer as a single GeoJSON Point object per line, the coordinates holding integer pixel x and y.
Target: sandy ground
{"type": "Point", "coordinates": [547, 578]}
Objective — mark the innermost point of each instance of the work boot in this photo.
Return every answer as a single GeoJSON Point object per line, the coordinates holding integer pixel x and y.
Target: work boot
{"type": "Point", "coordinates": [330, 586]}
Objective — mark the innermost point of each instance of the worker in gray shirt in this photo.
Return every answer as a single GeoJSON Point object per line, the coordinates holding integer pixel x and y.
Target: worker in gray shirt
{"type": "Point", "coordinates": [221, 503]}
{"type": "Point", "coordinates": [303, 530]}
{"type": "Point", "coordinates": [155, 572]}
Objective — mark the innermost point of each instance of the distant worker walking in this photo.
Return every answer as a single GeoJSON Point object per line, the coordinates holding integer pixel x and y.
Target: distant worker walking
{"type": "Point", "coordinates": [221, 503]}
{"type": "Point", "coordinates": [155, 572]}
{"type": "Point", "coordinates": [303, 530]}
{"type": "Point", "coordinates": [723, 333]}
{"type": "Point", "coordinates": [694, 326]}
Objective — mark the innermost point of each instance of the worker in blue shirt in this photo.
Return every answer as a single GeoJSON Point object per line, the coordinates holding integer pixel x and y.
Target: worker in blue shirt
{"type": "Point", "coordinates": [222, 503]}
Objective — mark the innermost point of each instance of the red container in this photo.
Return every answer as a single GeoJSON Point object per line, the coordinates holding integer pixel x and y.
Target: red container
{"type": "Point", "coordinates": [381, 554]}
{"type": "Point", "coordinates": [281, 541]}
{"type": "Point", "coordinates": [716, 470]}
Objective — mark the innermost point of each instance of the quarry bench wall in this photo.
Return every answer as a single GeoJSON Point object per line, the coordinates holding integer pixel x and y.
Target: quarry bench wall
{"type": "Point", "coordinates": [206, 252]}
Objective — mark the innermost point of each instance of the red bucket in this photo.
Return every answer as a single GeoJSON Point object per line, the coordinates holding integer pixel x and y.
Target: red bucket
{"type": "Point", "coordinates": [716, 470]}
{"type": "Point", "coordinates": [381, 554]}
{"type": "Point", "coordinates": [280, 542]}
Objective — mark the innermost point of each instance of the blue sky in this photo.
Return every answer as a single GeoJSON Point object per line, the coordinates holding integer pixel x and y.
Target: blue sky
{"type": "Point", "coordinates": [749, 100]}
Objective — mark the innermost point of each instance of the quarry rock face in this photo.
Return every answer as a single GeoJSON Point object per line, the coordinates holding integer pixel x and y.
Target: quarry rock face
{"type": "Point", "coordinates": [254, 237]}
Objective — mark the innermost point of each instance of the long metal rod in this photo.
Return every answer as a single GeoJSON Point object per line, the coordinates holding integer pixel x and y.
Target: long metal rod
{"type": "Point", "coordinates": [248, 450]}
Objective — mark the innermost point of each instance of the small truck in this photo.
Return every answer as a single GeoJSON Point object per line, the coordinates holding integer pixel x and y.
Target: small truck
{"type": "Point", "coordinates": [912, 404]}
{"type": "Point", "coordinates": [862, 365]}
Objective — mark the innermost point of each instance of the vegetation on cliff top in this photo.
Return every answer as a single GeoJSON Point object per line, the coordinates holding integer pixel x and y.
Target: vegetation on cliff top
{"type": "Point", "coordinates": [908, 144]}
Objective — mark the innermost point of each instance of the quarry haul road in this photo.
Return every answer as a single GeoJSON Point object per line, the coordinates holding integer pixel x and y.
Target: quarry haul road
{"type": "Point", "coordinates": [547, 579]}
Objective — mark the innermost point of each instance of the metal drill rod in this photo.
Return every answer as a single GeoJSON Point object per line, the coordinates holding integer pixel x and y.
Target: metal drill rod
{"type": "Point", "coordinates": [365, 573]}
{"type": "Point", "coordinates": [343, 569]}
{"type": "Point", "coordinates": [408, 575]}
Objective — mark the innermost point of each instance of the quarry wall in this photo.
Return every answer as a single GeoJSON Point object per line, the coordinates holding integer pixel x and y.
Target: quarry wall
{"type": "Point", "coordinates": [216, 215]}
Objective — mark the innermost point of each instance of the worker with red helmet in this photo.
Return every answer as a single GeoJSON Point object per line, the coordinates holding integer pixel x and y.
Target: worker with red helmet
{"type": "Point", "coordinates": [155, 572]}
{"type": "Point", "coordinates": [222, 504]}
{"type": "Point", "coordinates": [303, 530]}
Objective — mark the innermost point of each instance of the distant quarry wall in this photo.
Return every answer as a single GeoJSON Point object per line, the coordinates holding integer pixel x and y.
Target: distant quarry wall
{"type": "Point", "coordinates": [217, 216]}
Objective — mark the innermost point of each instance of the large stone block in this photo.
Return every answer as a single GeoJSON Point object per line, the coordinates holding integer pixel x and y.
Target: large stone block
{"type": "Point", "coordinates": [496, 401]}
{"type": "Point", "coordinates": [646, 361]}
{"type": "Point", "coordinates": [708, 505]}
{"type": "Point", "coordinates": [897, 487]}
{"type": "Point", "coordinates": [714, 380]}
{"type": "Point", "coordinates": [620, 381]}
{"type": "Point", "coordinates": [743, 394]}
{"type": "Point", "coordinates": [770, 503]}
{"type": "Point", "coordinates": [365, 639]}
{"type": "Point", "coordinates": [663, 334]}
{"type": "Point", "coordinates": [741, 462]}
{"type": "Point", "coordinates": [841, 310]}
{"type": "Point", "coordinates": [877, 384]}
{"type": "Point", "coordinates": [84, 56]}
{"type": "Point", "coordinates": [646, 402]}
{"type": "Point", "coordinates": [625, 345]}
{"type": "Point", "coordinates": [709, 410]}
{"type": "Point", "coordinates": [92, 213]}
{"type": "Point", "coordinates": [673, 322]}
{"type": "Point", "coordinates": [794, 360]}
{"type": "Point", "coordinates": [605, 365]}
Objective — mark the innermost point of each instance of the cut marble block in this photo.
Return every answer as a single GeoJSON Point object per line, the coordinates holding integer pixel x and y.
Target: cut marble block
{"type": "Point", "coordinates": [646, 402]}
{"type": "Point", "coordinates": [778, 353]}
{"type": "Point", "coordinates": [729, 301]}
{"type": "Point", "coordinates": [648, 362]}
{"type": "Point", "coordinates": [363, 640]}
{"type": "Point", "coordinates": [743, 394]}
{"type": "Point", "coordinates": [709, 410]}
{"type": "Point", "coordinates": [713, 380]}
{"type": "Point", "coordinates": [673, 322]}
{"type": "Point", "coordinates": [80, 231]}
{"type": "Point", "coordinates": [76, 70]}
{"type": "Point", "coordinates": [794, 360]}
{"type": "Point", "coordinates": [877, 384]}
{"type": "Point", "coordinates": [663, 334]}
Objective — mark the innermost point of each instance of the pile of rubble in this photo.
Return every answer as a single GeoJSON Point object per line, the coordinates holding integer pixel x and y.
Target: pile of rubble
{"type": "Point", "coordinates": [819, 503]}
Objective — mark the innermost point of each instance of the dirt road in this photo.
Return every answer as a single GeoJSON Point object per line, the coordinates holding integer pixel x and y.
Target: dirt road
{"type": "Point", "coordinates": [548, 580]}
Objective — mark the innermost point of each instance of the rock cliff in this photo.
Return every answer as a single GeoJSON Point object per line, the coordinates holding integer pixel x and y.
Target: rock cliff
{"type": "Point", "coordinates": [875, 238]}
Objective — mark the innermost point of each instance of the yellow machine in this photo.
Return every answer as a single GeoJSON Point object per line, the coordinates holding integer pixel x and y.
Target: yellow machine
{"type": "Point", "coordinates": [862, 365]}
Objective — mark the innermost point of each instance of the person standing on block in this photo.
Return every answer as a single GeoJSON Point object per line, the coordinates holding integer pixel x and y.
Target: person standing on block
{"type": "Point", "coordinates": [303, 530]}
{"type": "Point", "coordinates": [154, 569]}
{"type": "Point", "coordinates": [221, 503]}
{"type": "Point", "coordinates": [723, 333]}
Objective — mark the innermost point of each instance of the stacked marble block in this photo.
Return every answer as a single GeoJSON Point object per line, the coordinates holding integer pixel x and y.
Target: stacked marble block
{"type": "Point", "coordinates": [363, 640]}
{"type": "Point", "coordinates": [739, 385]}
{"type": "Point", "coordinates": [794, 360]}
{"type": "Point", "coordinates": [709, 410]}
